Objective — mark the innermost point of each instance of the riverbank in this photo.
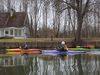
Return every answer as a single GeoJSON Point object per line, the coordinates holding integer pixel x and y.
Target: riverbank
{"type": "Point", "coordinates": [44, 42]}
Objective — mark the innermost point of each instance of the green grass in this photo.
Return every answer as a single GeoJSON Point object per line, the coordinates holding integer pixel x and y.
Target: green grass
{"type": "Point", "coordinates": [35, 40]}
{"type": "Point", "coordinates": [15, 40]}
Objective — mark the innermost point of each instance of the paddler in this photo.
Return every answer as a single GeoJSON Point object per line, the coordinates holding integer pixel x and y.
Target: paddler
{"type": "Point", "coordinates": [26, 46]}
{"type": "Point", "coordinates": [63, 46]}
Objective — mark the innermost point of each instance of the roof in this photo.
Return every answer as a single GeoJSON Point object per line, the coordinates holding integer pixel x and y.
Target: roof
{"type": "Point", "coordinates": [17, 20]}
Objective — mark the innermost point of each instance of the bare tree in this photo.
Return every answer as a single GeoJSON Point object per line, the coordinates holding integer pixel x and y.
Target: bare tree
{"type": "Point", "coordinates": [65, 25]}
{"type": "Point", "coordinates": [45, 16]}
{"type": "Point", "coordinates": [98, 16]}
{"type": "Point", "coordinates": [1, 6]}
{"type": "Point", "coordinates": [8, 5]}
{"type": "Point", "coordinates": [81, 7]}
{"type": "Point", "coordinates": [25, 5]}
{"type": "Point", "coordinates": [57, 17]}
{"type": "Point", "coordinates": [75, 16]}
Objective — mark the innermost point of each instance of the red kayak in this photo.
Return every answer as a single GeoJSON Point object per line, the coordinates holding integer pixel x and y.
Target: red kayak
{"type": "Point", "coordinates": [23, 51]}
{"type": "Point", "coordinates": [31, 51]}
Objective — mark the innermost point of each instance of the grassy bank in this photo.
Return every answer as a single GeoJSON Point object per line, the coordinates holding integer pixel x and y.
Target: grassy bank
{"type": "Point", "coordinates": [36, 40]}
{"type": "Point", "coordinates": [42, 42]}
{"type": "Point", "coordinates": [47, 40]}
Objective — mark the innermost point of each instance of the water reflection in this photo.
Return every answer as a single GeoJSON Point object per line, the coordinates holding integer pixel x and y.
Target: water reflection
{"type": "Point", "coordinates": [83, 64]}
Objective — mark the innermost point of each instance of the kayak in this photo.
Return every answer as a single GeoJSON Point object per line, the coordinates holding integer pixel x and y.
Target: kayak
{"type": "Point", "coordinates": [84, 49]}
{"type": "Point", "coordinates": [31, 51]}
{"type": "Point", "coordinates": [56, 52]}
{"type": "Point", "coordinates": [23, 51]}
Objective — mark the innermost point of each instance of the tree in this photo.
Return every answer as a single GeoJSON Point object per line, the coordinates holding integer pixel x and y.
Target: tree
{"type": "Point", "coordinates": [81, 7]}
{"type": "Point", "coordinates": [45, 16]}
{"type": "Point", "coordinates": [57, 17]}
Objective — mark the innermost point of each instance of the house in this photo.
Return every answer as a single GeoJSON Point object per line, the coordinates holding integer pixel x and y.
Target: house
{"type": "Point", "coordinates": [13, 24]}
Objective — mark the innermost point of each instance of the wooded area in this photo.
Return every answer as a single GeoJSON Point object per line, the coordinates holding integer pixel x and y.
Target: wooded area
{"type": "Point", "coordinates": [59, 18]}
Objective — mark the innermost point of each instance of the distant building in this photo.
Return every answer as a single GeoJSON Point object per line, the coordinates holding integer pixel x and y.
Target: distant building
{"type": "Point", "coordinates": [13, 24]}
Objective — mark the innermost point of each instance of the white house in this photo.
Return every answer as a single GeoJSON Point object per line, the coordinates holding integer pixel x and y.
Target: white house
{"type": "Point", "coordinates": [13, 24]}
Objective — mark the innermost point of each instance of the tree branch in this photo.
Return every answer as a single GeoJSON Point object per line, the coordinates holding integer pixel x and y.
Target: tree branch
{"type": "Point", "coordinates": [70, 5]}
{"type": "Point", "coordinates": [86, 7]}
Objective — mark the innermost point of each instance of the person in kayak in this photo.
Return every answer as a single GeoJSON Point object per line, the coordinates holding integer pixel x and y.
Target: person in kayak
{"type": "Point", "coordinates": [63, 46]}
{"type": "Point", "coordinates": [24, 47]}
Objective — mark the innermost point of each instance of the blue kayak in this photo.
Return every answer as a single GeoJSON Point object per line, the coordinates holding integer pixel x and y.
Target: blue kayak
{"type": "Point", "coordinates": [56, 52]}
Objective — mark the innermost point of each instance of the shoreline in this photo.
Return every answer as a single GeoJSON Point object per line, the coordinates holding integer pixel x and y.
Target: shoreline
{"type": "Point", "coordinates": [43, 42]}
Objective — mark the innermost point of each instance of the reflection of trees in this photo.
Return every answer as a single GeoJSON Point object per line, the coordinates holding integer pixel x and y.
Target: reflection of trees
{"type": "Point", "coordinates": [50, 65]}
{"type": "Point", "coordinates": [16, 65]}
{"type": "Point", "coordinates": [79, 65]}
{"type": "Point", "coordinates": [53, 65]}
{"type": "Point", "coordinates": [90, 64]}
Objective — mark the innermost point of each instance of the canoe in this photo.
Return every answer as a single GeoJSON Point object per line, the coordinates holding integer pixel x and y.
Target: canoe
{"type": "Point", "coordinates": [23, 51]}
{"type": "Point", "coordinates": [56, 52]}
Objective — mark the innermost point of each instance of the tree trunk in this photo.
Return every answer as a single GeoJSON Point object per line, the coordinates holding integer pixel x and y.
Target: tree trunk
{"type": "Point", "coordinates": [79, 27]}
{"type": "Point", "coordinates": [35, 18]}
{"type": "Point", "coordinates": [45, 13]}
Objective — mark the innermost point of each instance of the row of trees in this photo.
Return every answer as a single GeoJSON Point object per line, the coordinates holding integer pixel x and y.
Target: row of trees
{"type": "Point", "coordinates": [59, 18]}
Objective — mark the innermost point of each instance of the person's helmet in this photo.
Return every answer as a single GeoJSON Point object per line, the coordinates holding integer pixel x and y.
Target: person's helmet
{"type": "Point", "coordinates": [63, 42]}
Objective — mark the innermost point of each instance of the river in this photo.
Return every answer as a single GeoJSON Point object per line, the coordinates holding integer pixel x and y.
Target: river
{"type": "Point", "coordinates": [80, 64]}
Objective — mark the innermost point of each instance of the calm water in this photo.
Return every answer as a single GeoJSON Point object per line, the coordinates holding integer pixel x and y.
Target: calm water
{"type": "Point", "coordinates": [82, 64]}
